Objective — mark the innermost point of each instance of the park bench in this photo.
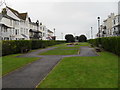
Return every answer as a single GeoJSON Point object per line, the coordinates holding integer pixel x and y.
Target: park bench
{"type": "Point", "coordinates": [97, 49]}
{"type": "Point", "coordinates": [24, 50]}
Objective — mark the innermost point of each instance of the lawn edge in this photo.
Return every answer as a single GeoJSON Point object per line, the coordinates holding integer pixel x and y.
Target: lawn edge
{"type": "Point", "coordinates": [19, 68]}
{"type": "Point", "coordinates": [49, 73]}
{"type": "Point", "coordinates": [77, 53]}
{"type": "Point", "coordinates": [95, 51]}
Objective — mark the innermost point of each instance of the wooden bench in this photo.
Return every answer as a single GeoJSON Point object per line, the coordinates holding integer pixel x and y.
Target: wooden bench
{"type": "Point", "coordinates": [97, 49]}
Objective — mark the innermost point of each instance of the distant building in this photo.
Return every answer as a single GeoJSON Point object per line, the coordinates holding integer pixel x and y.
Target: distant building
{"type": "Point", "coordinates": [116, 26]}
{"type": "Point", "coordinates": [14, 25]}
{"type": "Point", "coordinates": [110, 26]}
{"type": "Point", "coordinates": [49, 35]}
{"type": "Point", "coordinates": [18, 26]}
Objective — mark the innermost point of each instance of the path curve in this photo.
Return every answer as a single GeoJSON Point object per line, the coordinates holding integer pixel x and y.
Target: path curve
{"type": "Point", "coordinates": [30, 75]}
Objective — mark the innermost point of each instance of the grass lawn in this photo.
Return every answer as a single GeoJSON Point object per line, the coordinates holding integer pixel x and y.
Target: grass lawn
{"type": "Point", "coordinates": [84, 44]}
{"type": "Point", "coordinates": [62, 51]}
{"type": "Point", "coordinates": [11, 63]}
{"type": "Point", "coordinates": [84, 72]}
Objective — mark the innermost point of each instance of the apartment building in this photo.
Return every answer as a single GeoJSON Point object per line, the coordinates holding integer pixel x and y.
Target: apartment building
{"type": "Point", "coordinates": [110, 26]}
{"type": "Point", "coordinates": [116, 25]}
{"type": "Point", "coordinates": [18, 26]}
{"type": "Point", "coordinates": [50, 35]}
{"type": "Point", "coordinates": [107, 24]}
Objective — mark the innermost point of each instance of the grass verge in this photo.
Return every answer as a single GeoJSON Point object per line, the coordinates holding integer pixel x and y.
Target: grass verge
{"type": "Point", "coordinates": [11, 62]}
{"type": "Point", "coordinates": [84, 72]}
{"type": "Point", "coordinates": [62, 51]}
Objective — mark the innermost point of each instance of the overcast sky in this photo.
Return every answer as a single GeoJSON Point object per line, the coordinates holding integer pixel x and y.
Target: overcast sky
{"type": "Point", "coordinates": [67, 16]}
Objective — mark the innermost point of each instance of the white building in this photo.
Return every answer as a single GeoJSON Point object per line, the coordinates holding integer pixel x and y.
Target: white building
{"type": "Point", "coordinates": [44, 31]}
{"type": "Point", "coordinates": [18, 26]}
{"type": "Point", "coordinates": [107, 28]}
{"type": "Point", "coordinates": [14, 25]}
{"type": "Point", "coordinates": [116, 26]}
{"type": "Point", "coordinates": [49, 35]}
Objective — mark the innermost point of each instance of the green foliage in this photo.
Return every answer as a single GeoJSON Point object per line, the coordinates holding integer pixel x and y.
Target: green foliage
{"type": "Point", "coordinates": [62, 51]}
{"type": "Point", "coordinates": [69, 38]}
{"type": "Point", "coordinates": [82, 38]}
{"type": "Point", "coordinates": [15, 46]}
{"type": "Point", "coordinates": [111, 44]}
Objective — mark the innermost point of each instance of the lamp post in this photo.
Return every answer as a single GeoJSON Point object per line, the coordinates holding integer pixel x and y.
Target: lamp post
{"type": "Point", "coordinates": [62, 35]}
{"type": "Point", "coordinates": [91, 33]}
{"type": "Point", "coordinates": [99, 45]}
{"type": "Point", "coordinates": [54, 31]}
{"type": "Point", "coordinates": [98, 26]}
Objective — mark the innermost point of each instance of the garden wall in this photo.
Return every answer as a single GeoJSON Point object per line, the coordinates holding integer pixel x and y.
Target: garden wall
{"type": "Point", "coordinates": [17, 46]}
{"type": "Point", "coordinates": [111, 44]}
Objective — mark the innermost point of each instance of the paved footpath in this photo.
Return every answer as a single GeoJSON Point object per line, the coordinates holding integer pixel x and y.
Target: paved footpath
{"type": "Point", "coordinates": [30, 75]}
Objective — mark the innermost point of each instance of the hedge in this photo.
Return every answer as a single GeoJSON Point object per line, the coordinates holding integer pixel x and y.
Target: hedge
{"type": "Point", "coordinates": [111, 44]}
{"type": "Point", "coordinates": [15, 46]}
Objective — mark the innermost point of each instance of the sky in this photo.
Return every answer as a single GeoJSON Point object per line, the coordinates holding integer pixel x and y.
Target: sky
{"type": "Point", "coordinates": [67, 16]}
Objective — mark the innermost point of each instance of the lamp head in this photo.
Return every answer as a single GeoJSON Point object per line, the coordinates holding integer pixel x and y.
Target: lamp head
{"type": "Point", "coordinates": [98, 18]}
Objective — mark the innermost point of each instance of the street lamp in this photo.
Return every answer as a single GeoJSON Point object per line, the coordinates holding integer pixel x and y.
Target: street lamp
{"type": "Point", "coordinates": [98, 26]}
{"type": "Point", "coordinates": [91, 33]}
{"type": "Point", "coordinates": [62, 35]}
{"type": "Point", "coordinates": [54, 31]}
{"type": "Point", "coordinates": [99, 45]}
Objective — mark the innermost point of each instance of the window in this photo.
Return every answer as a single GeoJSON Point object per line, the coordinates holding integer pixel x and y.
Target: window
{"type": "Point", "coordinates": [43, 34]}
{"type": "Point", "coordinates": [5, 29]}
{"type": "Point", "coordinates": [16, 32]}
{"type": "Point", "coordinates": [118, 19]}
{"type": "Point", "coordinates": [40, 28]}
{"type": "Point", "coordinates": [13, 31]}
{"type": "Point", "coordinates": [114, 28]}
{"type": "Point", "coordinates": [21, 30]}
{"type": "Point", "coordinates": [114, 21]}
{"type": "Point", "coordinates": [10, 22]}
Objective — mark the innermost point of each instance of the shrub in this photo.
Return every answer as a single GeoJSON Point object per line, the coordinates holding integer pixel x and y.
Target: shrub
{"type": "Point", "coordinates": [111, 44]}
{"type": "Point", "coordinates": [15, 46]}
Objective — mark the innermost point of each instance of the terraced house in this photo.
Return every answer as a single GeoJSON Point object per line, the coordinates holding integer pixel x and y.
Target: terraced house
{"type": "Point", "coordinates": [18, 26]}
{"type": "Point", "coordinates": [110, 26]}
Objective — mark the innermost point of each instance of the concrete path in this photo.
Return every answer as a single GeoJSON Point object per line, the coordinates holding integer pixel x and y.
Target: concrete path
{"type": "Point", "coordinates": [30, 75]}
{"type": "Point", "coordinates": [85, 51]}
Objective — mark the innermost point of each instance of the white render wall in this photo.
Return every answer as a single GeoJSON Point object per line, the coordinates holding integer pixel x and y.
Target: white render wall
{"type": "Point", "coordinates": [44, 31]}
{"type": "Point", "coordinates": [109, 25]}
{"type": "Point", "coordinates": [18, 27]}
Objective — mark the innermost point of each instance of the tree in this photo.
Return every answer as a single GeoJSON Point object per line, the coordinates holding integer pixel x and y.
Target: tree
{"type": "Point", "coordinates": [76, 38]}
{"type": "Point", "coordinates": [69, 38]}
{"type": "Point", "coordinates": [82, 38]}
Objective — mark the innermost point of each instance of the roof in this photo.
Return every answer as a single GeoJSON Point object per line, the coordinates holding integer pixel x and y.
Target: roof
{"type": "Point", "coordinates": [5, 25]}
{"type": "Point", "coordinates": [23, 16]}
{"type": "Point", "coordinates": [50, 31]}
{"type": "Point", "coordinates": [31, 30]}
{"type": "Point", "coordinates": [6, 16]}
{"type": "Point", "coordinates": [19, 15]}
{"type": "Point", "coordinates": [33, 23]}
